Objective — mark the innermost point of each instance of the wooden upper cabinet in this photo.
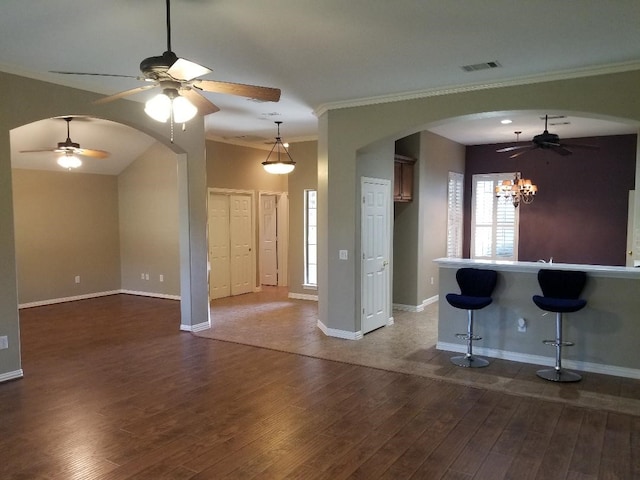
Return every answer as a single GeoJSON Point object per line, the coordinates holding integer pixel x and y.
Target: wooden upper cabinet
{"type": "Point", "coordinates": [403, 178]}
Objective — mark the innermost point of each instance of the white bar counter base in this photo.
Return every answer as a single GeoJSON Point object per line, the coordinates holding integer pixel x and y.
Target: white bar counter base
{"type": "Point", "coordinates": [606, 332]}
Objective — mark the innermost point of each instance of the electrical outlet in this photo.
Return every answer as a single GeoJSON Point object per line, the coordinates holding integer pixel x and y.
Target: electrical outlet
{"type": "Point", "coordinates": [142, 276]}
{"type": "Point", "coordinates": [522, 325]}
{"type": "Point", "coordinates": [161, 277]}
{"type": "Point", "coordinates": [4, 342]}
{"type": "Point", "coordinates": [343, 255]}
{"type": "Point", "coordinates": [77, 278]}
{"type": "Point", "coordinates": [146, 276]}
{"type": "Point", "coordinates": [431, 280]}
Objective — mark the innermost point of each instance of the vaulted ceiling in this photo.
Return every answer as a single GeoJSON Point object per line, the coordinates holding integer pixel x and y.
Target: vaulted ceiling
{"type": "Point", "coordinates": [328, 53]}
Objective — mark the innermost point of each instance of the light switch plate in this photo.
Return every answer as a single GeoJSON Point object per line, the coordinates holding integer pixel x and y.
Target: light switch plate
{"type": "Point", "coordinates": [344, 255]}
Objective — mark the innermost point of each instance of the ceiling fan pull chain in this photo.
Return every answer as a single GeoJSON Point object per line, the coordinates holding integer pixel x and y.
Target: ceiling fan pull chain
{"type": "Point", "coordinates": [171, 121]}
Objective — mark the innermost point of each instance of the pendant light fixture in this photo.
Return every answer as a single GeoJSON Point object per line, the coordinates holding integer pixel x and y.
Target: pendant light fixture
{"type": "Point", "coordinates": [279, 166]}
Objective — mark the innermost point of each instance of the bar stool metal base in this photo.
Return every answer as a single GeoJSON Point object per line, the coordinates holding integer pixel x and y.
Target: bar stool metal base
{"type": "Point", "coordinates": [563, 376]}
{"type": "Point", "coordinates": [469, 362]}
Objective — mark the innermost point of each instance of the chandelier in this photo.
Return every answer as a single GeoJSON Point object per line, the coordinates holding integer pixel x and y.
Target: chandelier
{"type": "Point", "coordinates": [279, 166]}
{"type": "Point", "coordinates": [518, 190]}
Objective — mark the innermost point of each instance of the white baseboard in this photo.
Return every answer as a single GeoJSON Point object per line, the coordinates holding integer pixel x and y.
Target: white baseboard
{"type": "Point", "coordinates": [430, 300]}
{"type": "Point", "coordinates": [53, 301]}
{"type": "Point", "coordinates": [415, 308]}
{"type": "Point", "coordinates": [540, 360]}
{"type": "Point", "coordinates": [407, 308]}
{"type": "Point", "coordinates": [195, 328]}
{"type": "Point", "coordinates": [333, 332]}
{"type": "Point", "coordinates": [303, 296]}
{"type": "Point", "coordinates": [150, 294]}
{"type": "Point", "coordinates": [5, 377]}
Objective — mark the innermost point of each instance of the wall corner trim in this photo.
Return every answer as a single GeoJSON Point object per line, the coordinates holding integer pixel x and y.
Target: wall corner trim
{"type": "Point", "coordinates": [303, 296]}
{"type": "Point", "coordinates": [5, 377]}
{"type": "Point", "coordinates": [195, 328]}
{"type": "Point", "coordinates": [333, 332]}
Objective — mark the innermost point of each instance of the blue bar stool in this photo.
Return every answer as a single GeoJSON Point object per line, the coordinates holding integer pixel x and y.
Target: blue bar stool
{"type": "Point", "coordinates": [476, 287]}
{"type": "Point", "coordinates": [561, 290]}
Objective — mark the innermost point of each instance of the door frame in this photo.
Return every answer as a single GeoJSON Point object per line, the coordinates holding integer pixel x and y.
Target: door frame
{"type": "Point", "coordinates": [389, 253]}
{"type": "Point", "coordinates": [233, 191]}
{"type": "Point", "coordinates": [282, 209]}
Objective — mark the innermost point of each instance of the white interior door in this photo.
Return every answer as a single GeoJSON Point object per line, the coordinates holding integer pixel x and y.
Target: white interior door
{"type": "Point", "coordinates": [375, 233]}
{"type": "Point", "coordinates": [240, 238]}
{"type": "Point", "coordinates": [219, 275]}
{"type": "Point", "coordinates": [269, 240]}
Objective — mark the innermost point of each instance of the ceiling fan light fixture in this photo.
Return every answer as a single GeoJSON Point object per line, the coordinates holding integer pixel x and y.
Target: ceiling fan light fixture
{"type": "Point", "coordinates": [279, 166]}
{"type": "Point", "coordinates": [159, 107]}
{"type": "Point", "coordinates": [69, 161]}
{"type": "Point", "coordinates": [163, 105]}
{"type": "Point", "coordinates": [183, 109]}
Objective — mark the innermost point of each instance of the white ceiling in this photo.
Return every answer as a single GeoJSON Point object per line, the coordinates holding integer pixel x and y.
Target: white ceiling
{"type": "Point", "coordinates": [325, 53]}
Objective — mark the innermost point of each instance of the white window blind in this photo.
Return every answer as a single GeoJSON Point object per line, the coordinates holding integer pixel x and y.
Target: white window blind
{"type": "Point", "coordinates": [310, 238]}
{"type": "Point", "coordinates": [455, 215]}
{"type": "Point", "coordinates": [494, 222]}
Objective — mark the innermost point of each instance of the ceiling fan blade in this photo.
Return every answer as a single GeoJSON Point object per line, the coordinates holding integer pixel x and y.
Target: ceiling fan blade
{"type": "Point", "coordinates": [580, 145]}
{"type": "Point", "coordinates": [183, 69]}
{"type": "Point", "coordinates": [562, 151]}
{"type": "Point", "coordinates": [511, 149]}
{"type": "Point", "coordinates": [266, 94]}
{"type": "Point", "coordinates": [204, 106]}
{"type": "Point", "coordinates": [522, 152]}
{"type": "Point", "coordinates": [39, 151]}
{"type": "Point", "coordinates": [92, 153]}
{"type": "Point", "coordinates": [98, 74]}
{"type": "Point", "coordinates": [116, 96]}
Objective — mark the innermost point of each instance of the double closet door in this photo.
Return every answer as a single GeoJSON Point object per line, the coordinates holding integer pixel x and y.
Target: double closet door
{"type": "Point", "coordinates": [230, 252]}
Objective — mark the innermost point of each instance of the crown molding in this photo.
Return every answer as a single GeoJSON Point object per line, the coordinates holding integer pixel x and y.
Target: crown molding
{"type": "Point", "coordinates": [531, 79]}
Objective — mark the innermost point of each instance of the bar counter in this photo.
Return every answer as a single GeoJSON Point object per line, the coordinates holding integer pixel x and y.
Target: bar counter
{"type": "Point", "coordinates": [606, 332]}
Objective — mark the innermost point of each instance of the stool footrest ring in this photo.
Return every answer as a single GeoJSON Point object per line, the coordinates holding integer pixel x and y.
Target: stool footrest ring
{"type": "Point", "coordinates": [466, 336]}
{"type": "Point", "coordinates": [554, 343]}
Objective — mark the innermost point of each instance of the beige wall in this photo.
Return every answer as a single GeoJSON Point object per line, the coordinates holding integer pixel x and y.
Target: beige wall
{"type": "Point", "coordinates": [66, 225]}
{"type": "Point", "coordinates": [240, 168]}
{"type": "Point", "coordinates": [149, 232]}
{"type": "Point", "coordinates": [420, 227]}
{"type": "Point", "coordinates": [438, 156]}
{"type": "Point", "coordinates": [304, 177]}
{"type": "Point", "coordinates": [26, 100]}
{"type": "Point", "coordinates": [343, 132]}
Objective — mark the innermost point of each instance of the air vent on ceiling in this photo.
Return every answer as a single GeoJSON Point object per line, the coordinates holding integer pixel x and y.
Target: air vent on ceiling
{"type": "Point", "coordinates": [481, 66]}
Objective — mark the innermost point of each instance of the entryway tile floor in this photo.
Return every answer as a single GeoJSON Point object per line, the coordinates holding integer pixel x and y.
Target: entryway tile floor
{"type": "Point", "coordinates": [269, 319]}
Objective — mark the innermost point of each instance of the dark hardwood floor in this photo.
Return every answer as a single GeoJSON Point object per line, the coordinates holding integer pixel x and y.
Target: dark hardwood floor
{"type": "Point", "coordinates": [113, 390]}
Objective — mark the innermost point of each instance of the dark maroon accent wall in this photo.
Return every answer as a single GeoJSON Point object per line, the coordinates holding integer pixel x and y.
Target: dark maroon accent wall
{"type": "Point", "coordinates": [580, 212]}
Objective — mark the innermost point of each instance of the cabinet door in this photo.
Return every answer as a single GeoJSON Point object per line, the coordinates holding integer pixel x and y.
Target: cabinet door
{"type": "Point", "coordinates": [397, 181]}
{"type": "Point", "coordinates": [407, 182]}
{"type": "Point", "coordinates": [403, 179]}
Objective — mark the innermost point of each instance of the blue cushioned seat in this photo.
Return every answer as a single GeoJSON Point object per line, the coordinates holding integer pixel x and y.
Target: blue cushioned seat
{"type": "Point", "coordinates": [561, 291]}
{"type": "Point", "coordinates": [476, 286]}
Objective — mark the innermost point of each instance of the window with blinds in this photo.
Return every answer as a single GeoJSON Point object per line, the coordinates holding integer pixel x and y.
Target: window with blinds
{"type": "Point", "coordinates": [494, 222]}
{"type": "Point", "coordinates": [310, 238]}
{"type": "Point", "coordinates": [454, 215]}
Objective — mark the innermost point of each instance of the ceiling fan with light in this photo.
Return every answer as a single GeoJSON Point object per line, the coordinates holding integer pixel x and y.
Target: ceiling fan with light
{"type": "Point", "coordinates": [69, 150]}
{"type": "Point", "coordinates": [180, 98]}
{"type": "Point", "coordinates": [547, 141]}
